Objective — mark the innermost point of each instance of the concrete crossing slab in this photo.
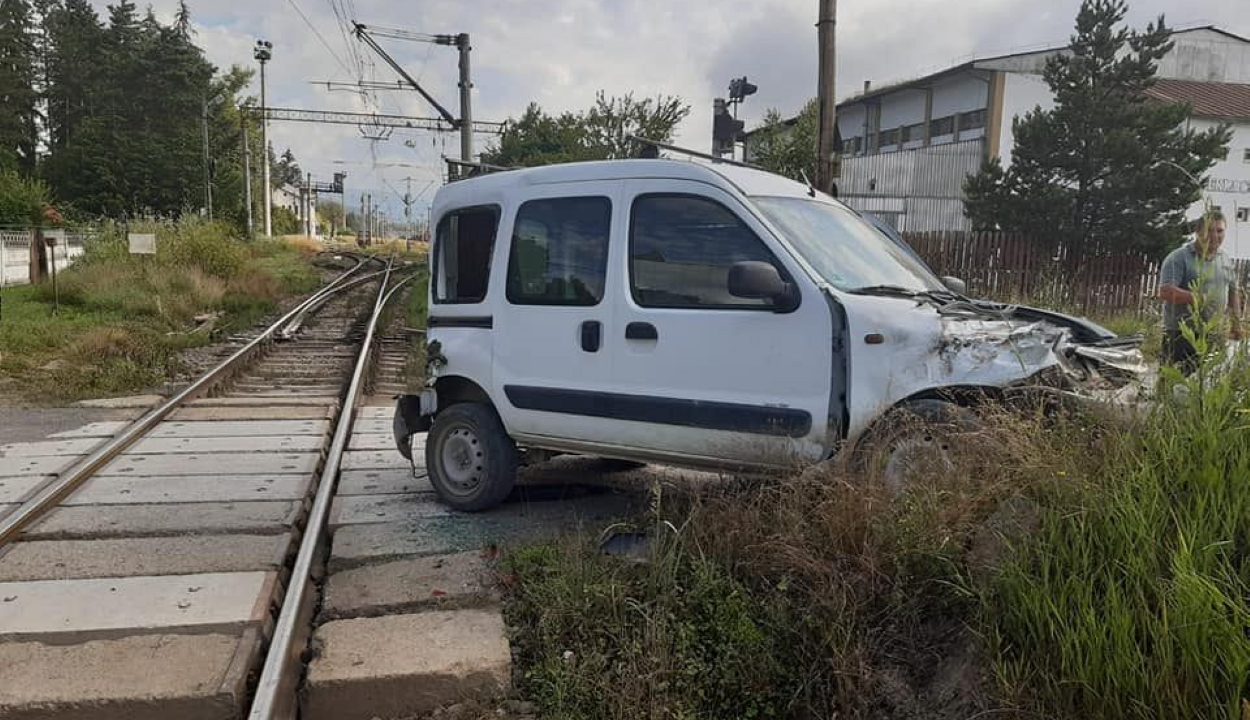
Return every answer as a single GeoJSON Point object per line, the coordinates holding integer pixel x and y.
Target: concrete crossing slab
{"type": "Point", "coordinates": [75, 611]}
{"type": "Point", "coordinates": [378, 426]}
{"type": "Point", "coordinates": [224, 414]}
{"type": "Point", "coordinates": [149, 677]}
{"type": "Point", "coordinates": [376, 411]}
{"type": "Point", "coordinates": [17, 489]}
{"type": "Point", "coordinates": [367, 667]}
{"type": "Point", "coordinates": [240, 428]}
{"type": "Point", "coordinates": [380, 441]}
{"type": "Point", "coordinates": [124, 490]}
{"type": "Point", "coordinates": [50, 448]}
{"type": "Point", "coordinates": [246, 445]}
{"type": "Point", "coordinates": [219, 464]}
{"type": "Point", "coordinates": [382, 482]}
{"type": "Point", "coordinates": [460, 580]}
{"type": "Point", "coordinates": [126, 557]}
{"type": "Point", "coordinates": [374, 460]}
{"type": "Point", "coordinates": [324, 401]}
{"type": "Point", "coordinates": [364, 509]}
{"type": "Point", "coordinates": [97, 521]}
{"type": "Point", "coordinates": [95, 430]}
{"type": "Point", "coordinates": [46, 465]}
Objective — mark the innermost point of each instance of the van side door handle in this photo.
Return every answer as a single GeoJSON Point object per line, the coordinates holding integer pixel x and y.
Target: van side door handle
{"type": "Point", "coordinates": [592, 335]}
{"type": "Point", "coordinates": [641, 331]}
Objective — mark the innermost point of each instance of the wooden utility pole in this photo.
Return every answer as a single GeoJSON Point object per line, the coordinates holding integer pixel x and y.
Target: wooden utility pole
{"type": "Point", "coordinates": [827, 161]}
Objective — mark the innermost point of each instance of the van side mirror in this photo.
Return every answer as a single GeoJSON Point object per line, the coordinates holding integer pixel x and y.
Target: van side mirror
{"type": "Point", "coordinates": [955, 285]}
{"type": "Point", "coordinates": [757, 280]}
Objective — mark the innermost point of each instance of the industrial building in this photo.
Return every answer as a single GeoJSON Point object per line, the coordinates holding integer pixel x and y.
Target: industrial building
{"type": "Point", "coordinates": [908, 147]}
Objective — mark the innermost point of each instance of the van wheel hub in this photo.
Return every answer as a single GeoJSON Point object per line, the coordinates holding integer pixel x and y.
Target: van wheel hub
{"type": "Point", "coordinates": [919, 453]}
{"type": "Point", "coordinates": [463, 460]}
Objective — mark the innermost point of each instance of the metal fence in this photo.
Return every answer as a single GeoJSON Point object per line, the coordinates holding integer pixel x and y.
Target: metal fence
{"type": "Point", "coordinates": [17, 253]}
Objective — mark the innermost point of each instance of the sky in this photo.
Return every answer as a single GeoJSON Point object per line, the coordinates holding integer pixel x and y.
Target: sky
{"type": "Point", "coordinates": [559, 53]}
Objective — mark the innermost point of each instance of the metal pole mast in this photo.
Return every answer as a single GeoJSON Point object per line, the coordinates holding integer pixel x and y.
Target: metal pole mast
{"type": "Point", "coordinates": [208, 175]}
{"type": "Point", "coordinates": [264, 51]}
{"type": "Point", "coordinates": [247, 178]}
{"type": "Point", "coordinates": [466, 101]}
{"type": "Point", "coordinates": [827, 165]}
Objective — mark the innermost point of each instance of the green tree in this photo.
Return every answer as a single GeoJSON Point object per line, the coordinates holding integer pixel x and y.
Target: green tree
{"type": "Point", "coordinates": [787, 147]}
{"type": "Point", "coordinates": [599, 133]}
{"type": "Point", "coordinates": [331, 213]}
{"type": "Point", "coordinates": [285, 170]}
{"type": "Point", "coordinates": [19, 133]}
{"type": "Point", "coordinates": [1099, 170]}
{"type": "Point", "coordinates": [22, 199]}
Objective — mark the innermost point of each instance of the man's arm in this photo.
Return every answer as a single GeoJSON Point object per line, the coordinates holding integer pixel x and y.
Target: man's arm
{"type": "Point", "coordinates": [1171, 278]}
{"type": "Point", "coordinates": [1177, 296]}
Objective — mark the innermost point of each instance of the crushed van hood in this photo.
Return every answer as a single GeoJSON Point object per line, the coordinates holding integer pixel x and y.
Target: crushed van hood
{"type": "Point", "coordinates": [929, 348]}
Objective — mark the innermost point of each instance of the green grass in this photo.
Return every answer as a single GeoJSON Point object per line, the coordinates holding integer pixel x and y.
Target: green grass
{"type": "Point", "coordinates": [122, 320]}
{"type": "Point", "coordinates": [1070, 568]}
{"type": "Point", "coordinates": [416, 315]}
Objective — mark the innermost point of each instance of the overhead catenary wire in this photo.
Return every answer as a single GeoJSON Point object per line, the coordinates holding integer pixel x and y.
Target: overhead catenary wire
{"type": "Point", "coordinates": [320, 37]}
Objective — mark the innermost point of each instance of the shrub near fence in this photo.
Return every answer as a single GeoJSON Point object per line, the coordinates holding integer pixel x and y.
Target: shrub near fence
{"type": "Point", "coordinates": [1013, 267]}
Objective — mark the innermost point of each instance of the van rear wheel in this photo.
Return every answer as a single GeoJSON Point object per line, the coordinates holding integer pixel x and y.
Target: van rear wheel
{"type": "Point", "coordinates": [471, 461]}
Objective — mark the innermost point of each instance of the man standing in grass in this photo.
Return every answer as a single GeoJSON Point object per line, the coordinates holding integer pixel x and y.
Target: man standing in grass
{"type": "Point", "coordinates": [1198, 274]}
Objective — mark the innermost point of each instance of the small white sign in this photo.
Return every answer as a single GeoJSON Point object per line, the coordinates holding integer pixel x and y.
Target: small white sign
{"type": "Point", "coordinates": [54, 237]}
{"type": "Point", "coordinates": [142, 243]}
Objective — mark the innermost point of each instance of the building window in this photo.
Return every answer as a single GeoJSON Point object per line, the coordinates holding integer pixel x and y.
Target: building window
{"type": "Point", "coordinates": [680, 251]}
{"type": "Point", "coordinates": [889, 137]}
{"type": "Point", "coordinates": [851, 146]}
{"type": "Point", "coordinates": [972, 120]}
{"type": "Point", "coordinates": [1243, 214]}
{"type": "Point", "coordinates": [942, 126]}
{"type": "Point", "coordinates": [913, 133]}
{"type": "Point", "coordinates": [463, 245]}
{"type": "Point", "coordinates": [559, 252]}
{"type": "Point", "coordinates": [1245, 156]}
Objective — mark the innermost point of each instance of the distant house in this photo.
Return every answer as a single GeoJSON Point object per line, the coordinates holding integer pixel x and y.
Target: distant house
{"type": "Point", "coordinates": [908, 147]}
{"type": "Point", "coordinates": [290, 197]}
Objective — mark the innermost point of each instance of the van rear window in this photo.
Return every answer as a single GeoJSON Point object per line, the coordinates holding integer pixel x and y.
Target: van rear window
{"type": "Point", "coordinates": [463, 246]}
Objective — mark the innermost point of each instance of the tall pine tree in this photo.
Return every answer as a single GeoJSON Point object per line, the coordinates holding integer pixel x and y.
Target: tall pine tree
{"type": "Point", "coordinates": [19, 130]}
{"type": "Point", "coordinates": [1096, 171]}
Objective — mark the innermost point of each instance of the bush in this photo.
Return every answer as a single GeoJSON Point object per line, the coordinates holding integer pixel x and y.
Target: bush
{"type": "Point", "coordinates": [22, 200]}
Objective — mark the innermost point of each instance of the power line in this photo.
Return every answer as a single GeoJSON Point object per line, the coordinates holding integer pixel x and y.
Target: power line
{"type": "Point", "coordinates": [319, 36]}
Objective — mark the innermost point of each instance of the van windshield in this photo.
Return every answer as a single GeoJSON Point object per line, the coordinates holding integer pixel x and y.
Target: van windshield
{"type": "Point", "coordinates": [846, 251]}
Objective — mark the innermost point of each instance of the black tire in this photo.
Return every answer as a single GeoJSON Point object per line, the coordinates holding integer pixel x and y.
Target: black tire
{"type": "Point", "coordinates": [926, 428]}
{"type": "Point", "coordinates": [471, 460]}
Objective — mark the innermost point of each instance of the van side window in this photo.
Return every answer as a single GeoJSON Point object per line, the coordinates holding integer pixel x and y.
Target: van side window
{"type": "Point", "coordinates": [464, 243]}
{"type": "Point", "coordinates": [681, 248]}
{"type": "Point", "coordinates": [559, 251]}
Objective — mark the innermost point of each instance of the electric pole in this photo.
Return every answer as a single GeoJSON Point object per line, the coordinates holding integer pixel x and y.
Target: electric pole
{"type": "Point", "coordinates": [247, 177]}
{"type": "Point", "coordinates": [466, 109]}
{"type": "Point", "coordinates": [827, 161]}
{"type": "Point", "coordinates": [263, 52]}
{"type": "Point", "coordinates": [208, 174]}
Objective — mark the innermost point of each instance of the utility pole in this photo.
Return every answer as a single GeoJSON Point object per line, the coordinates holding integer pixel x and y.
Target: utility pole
{"type": "Point", "coordinates": [208, 175]}
{"type": "Point", "coordinates": [466, 108]}
{"type": "Point", "coordinates": [361, 220]}
{"type": "Point", "coordinates": [263, 52]}
{"type": "Point", "coordinates": [247, 177]}
{"type": "Point", "coordinates": [828, 166]}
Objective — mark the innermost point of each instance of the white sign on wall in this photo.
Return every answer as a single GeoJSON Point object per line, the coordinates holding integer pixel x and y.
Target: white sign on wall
{"type": "Point", "coordinates": [142, 243]}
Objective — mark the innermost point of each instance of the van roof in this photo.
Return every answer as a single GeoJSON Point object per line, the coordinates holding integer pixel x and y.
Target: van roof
{"type": "Point", "coordinates": [746, 180]}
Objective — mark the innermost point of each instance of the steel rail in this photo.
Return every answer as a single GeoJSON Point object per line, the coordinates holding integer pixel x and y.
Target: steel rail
{"type": "Point", "coordinates": [276, 688]}
{"type": "Point", "coordinates": [69, 480]}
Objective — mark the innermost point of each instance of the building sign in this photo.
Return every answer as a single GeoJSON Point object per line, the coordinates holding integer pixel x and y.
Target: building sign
{"type": "Point", "coordinates": [142, 243]}
{"type": "Point", "coordinates": [1228, 185]}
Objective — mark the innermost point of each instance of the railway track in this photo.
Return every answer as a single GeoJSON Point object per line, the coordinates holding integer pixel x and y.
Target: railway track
{"type": "Point", "coordinates": [255, 547]}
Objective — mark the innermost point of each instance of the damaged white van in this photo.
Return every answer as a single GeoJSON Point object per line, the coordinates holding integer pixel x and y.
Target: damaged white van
{"type": "Point", "coordinates": [700, 315]}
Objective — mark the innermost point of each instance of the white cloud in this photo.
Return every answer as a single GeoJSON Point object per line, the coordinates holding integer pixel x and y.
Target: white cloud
{"type": "Point", "coordinates": [560, 52]}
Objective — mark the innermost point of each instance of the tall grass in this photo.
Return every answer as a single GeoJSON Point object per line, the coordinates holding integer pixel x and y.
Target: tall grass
{"type": "Point", "coordinates": [123, 318]}
{"type": "Point", "coordinates": [1133, 598]}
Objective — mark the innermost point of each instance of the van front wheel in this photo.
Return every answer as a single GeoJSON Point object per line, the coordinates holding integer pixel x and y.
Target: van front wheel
{"type": "Point", "coordinates": [471, 461]}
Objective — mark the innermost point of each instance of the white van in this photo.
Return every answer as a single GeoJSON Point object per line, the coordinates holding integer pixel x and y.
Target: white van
{"type": "Point", "coordinates": [700, 315]}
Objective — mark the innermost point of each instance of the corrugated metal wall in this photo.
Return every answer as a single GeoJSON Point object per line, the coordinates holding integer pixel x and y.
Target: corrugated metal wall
{"type": "Point", "coordinates": [924, 187]}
